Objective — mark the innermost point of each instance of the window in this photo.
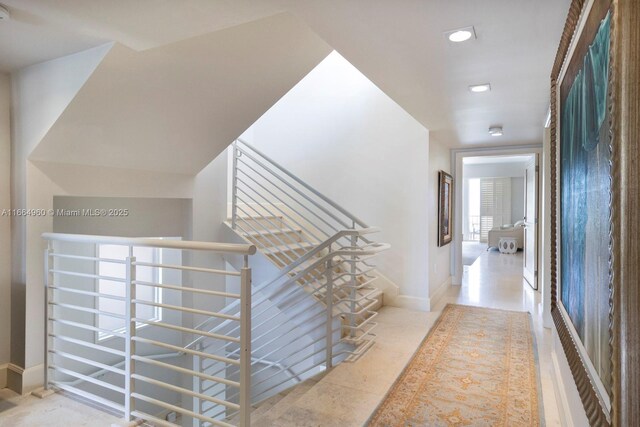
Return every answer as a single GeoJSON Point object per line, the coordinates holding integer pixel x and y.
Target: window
{"type": "Point", "coordinates": [115, 288]}
{"type": "Point", "coordinates": [495, 204]}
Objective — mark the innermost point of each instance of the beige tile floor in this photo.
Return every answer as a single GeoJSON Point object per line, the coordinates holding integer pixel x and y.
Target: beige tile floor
{"type": "Point", "coordinates": [348, 394]}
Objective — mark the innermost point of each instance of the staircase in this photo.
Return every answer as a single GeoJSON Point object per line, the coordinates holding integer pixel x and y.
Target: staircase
{"type": "Point", "coordinates": [230, 340]}
{"type": "Point", "coordinates": [319, 308]}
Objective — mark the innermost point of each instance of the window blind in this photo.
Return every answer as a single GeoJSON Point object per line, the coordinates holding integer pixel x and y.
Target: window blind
{"type": "Point", "coordinates": [495, 204]}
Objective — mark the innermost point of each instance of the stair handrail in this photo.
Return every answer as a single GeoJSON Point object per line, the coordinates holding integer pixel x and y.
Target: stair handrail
{"type": "Point", "coordinates": [378, 247]}
{"type": "Point", "coordinates": [333, 204]}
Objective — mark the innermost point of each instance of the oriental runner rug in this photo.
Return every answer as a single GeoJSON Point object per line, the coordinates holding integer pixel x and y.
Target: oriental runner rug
{"type": "Point", "coordinates": [476, 367]}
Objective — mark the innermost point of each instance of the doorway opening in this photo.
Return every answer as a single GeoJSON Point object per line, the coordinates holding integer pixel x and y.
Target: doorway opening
{"type": "Point", "coordinates": [500, 209]}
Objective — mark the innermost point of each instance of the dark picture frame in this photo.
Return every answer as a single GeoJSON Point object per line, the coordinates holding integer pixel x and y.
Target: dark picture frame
{"type": "Point", "coordinates": [620, 284]}
{"type": "Point", "coordinates": [445, 208]}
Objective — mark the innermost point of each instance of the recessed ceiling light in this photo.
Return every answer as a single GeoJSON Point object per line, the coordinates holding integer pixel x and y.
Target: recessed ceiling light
{"type": "Point", "coordinates": [460, 34]}
{"type": "Point", "coordinates": [4, 13]}
{"type": "Point", "coordinates": [485, 87]}
{"type": "Point", "coordinates": [495, 131]}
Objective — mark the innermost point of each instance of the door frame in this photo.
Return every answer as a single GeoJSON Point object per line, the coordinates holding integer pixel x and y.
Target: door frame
{"type": "Point", "coordinates": [457, 156]}
{"type": "Point", "coordinates": [536, 222]}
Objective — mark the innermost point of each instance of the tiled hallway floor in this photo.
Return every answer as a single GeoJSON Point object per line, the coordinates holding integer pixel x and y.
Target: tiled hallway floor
{"type": "Point", "coordinates": [349, 394]}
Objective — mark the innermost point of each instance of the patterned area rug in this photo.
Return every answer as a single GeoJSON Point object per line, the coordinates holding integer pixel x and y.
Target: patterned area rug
{"type": "Point", "coordinates": [477, 367]}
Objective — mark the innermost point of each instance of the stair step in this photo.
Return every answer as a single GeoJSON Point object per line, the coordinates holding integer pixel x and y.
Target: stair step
{"type": "Point", "coordinates": [259, 223]}
{"type": "Point", "coordinates": [274, 236]}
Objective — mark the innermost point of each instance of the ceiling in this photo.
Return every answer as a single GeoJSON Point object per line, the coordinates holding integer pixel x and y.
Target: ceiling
{"type": "Point", "coordinates": [399, 45]}
{"type": "Point", "coordinates": [176, 107]}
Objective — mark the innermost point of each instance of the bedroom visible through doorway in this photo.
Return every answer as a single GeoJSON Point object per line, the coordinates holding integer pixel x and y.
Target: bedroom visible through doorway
{"type": "Point", "coordinates": [499, 209]}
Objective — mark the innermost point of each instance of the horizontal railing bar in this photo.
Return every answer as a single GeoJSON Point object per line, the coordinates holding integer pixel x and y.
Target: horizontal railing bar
{"type": "Point", "coordinates": [296, 301]}
{"type": "Point", "coordinates": [186, 350]}
{"type": "Point", "coordinates": [185, 391]}
{"type": "Point", "coordinates": [305, 185]}
{"type": "Point", "coordinates": [282, 201]}
{"type": "Point", "coordinates": [187, 268]}
{"type": "Point", "coordinates": [301, 193]}
{"type": "Point", "coordinates": [187, 330]}
{"type": "Point", "coordinates": [87, 258]}
{"type": "Point", "coordinates": [88, 345]}
{"type": "Point", "coordinates": [242, 249]}
{"type": "Point", "coordinates": [305, 207]}
{"type": "Point", "coordinates": [297, 293]}
{"type": "Point", "coordinates": [295, 327]}
{"type": "Point", "coordinates": [322, 350]}
{"type": "Point", "coordinates": [179, 410]}
{"type": "Point", "coordinates": [89, 396]}
{"type": "Point", "coordinates": [88, 362]}
{"type": "Point", "coordinates": [88, 293]}
{"type": "Point", "coordinates": [304, 258]}
{"type": "Point", "coordinates": [302, 228]}
{"type": "Point", "coordinates": [279, 349]}
{"type": "Point", "coordinates": [87, 275]}
{"type": "Point", "coordinates": [292, 241]}
{"type": "Point", "coordinates": [187, 289]}
{"type": "Point", "coordinates": [88, 379]}
{"type": "Point", "coordinates": [87, 310]}
{"type": "Point", "coordinates": [186, 309]}
{"type": "Point", "coordinates": [87, 327]}
{"type": "Point", "coordinates": [268, 235]}
{"type": "Point", "coordinates": [186, 371]}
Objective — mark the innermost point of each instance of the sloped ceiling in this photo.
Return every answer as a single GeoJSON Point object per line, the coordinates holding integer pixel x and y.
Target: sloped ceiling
{"type": "Point", "coordinates": [174, 108]}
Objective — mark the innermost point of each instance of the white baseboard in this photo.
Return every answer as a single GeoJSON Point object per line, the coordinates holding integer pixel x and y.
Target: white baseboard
{"type": "Point", "coordinates": [561, 398]}
{"type": "Point", "coordinates": [24, 381]}
{"type": "Point", "coordinates": [441, 291]}
{"type": "Point", "coordinates": [408, 302]}
{"type": "Point", "coordinates": [386, 286]}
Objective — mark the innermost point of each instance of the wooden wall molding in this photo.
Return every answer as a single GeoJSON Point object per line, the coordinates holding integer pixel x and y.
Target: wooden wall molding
{"type": "Point", "coordinates": [624, 284]}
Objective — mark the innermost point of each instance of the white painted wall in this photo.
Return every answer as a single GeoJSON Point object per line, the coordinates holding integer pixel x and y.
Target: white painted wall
{"type": "Point", "coordinates": [572, 411]}
{"type": "Point", "coordinates": [40, 94]}
{"type": "Point", "coordinates": [494, 170]}
{"type": "Point", "coordinates": [342, 135]}
{"type": "Point", "coordinates": [5, 224]}
{"type": "Point", "coordinates": [439, 257]}
{"type": "Point", "coordinates": [147, 217]}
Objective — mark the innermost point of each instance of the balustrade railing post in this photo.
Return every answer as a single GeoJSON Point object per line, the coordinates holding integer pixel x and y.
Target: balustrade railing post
{"type": "Point", "coordinates": [245, 344]}
{"type": "Point", "coordinates": [130, 327]}
{"type": "Point", "coordinates": [354, 285]}
{"type": "Point", "coordinates": [48, 326]}
{"type": "Point", "coordinates": [329, 304]}
{"type": "Point", "coordinates": [234, 185]}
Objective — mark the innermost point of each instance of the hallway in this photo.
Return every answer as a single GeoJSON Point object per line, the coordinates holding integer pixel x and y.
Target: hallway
{"type": "Point", "coordinates": [495, 281]}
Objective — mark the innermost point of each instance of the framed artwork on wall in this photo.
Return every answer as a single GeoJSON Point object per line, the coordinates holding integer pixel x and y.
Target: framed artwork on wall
{"type": "Point", "coordinates": [445, 208]}
{"type": "Point", "coordinates": [594, 158]}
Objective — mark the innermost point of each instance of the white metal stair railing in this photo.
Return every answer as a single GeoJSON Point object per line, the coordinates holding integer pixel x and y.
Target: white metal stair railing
{"type": "Point", "coordinates": [138, 365]}
{"type": "Point", "coordinates": [269, 203]}
{"type": "Point", "coordinates": [305, 337]}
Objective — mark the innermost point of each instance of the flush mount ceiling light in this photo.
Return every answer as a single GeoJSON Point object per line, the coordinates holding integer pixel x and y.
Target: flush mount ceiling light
{"type": "Point", "coordinates": [4, 13]}
{"type": "Point", "coordinates": [460, 35]}
{"type": "Point", "coordinates": [485, 87]}
{"type": "Point", "coordinates": [495, 131]}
